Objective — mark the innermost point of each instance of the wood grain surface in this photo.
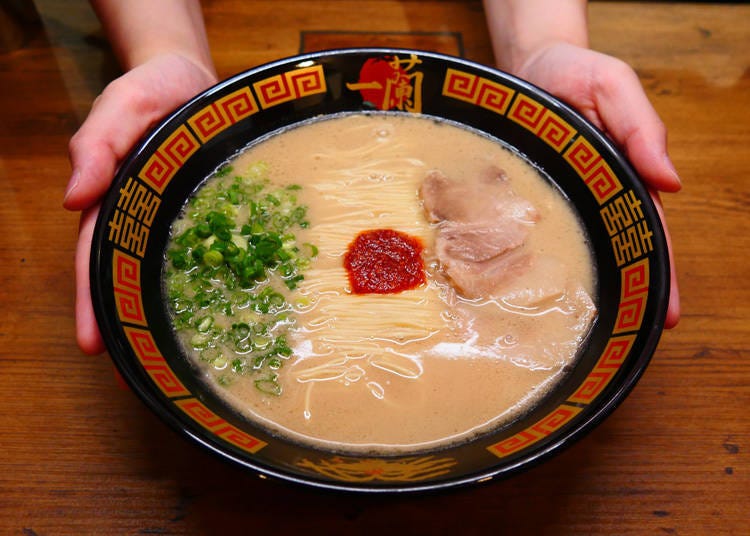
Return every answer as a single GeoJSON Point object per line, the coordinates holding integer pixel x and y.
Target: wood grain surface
{"type": "Point", "coordinates": [79, 455]}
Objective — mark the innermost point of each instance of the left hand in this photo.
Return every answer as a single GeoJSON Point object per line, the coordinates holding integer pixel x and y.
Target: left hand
{"type": "Point", "coordinates": [608, 92]}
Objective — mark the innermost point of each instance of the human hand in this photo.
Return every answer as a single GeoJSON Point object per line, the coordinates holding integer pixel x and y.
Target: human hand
{"type": "Point", "coordinates": [608, 92]}
{"type": "Point", "coordinates": [127, 108]}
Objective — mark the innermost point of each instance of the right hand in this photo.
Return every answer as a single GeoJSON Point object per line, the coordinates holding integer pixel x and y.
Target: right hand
{"type": "Point", "coordinates": [127, 108]}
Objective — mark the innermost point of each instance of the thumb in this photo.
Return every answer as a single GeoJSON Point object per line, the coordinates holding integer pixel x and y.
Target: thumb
{"type": "Point", "coordinates": [630, 119]}
{"type": "Point", "coordinates": [115, 123]}
{"type": "Point", "coordinates": [127, 108]}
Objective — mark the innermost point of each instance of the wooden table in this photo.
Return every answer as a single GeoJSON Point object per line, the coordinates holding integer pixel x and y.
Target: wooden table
{"type": "Point", "coordinates": [78, 455]}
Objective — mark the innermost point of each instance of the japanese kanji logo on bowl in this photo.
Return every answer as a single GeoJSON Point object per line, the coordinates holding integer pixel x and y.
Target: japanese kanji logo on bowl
{"type": "Point", "coordinates": [391, 83]}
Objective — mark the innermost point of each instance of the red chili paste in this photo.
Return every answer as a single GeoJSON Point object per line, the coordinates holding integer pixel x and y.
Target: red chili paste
{"type": "Point", "coordinates": [384, 261]}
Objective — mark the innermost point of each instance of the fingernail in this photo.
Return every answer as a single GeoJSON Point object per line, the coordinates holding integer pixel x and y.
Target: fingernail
{"type": "Point", "coordinates": [72, 185]}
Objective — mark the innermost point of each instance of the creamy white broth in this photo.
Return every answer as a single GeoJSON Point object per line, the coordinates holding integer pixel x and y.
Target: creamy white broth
{"type": "Point", "coordinates": [424, 367]}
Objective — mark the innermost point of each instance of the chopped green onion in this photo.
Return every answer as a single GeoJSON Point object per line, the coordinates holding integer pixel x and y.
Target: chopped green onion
{"type": "Point", "coordinates": [239, 246]}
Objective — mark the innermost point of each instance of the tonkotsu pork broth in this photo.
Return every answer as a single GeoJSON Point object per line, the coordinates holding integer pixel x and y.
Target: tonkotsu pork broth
{"type": "Point", "coordinates": [508, 297]}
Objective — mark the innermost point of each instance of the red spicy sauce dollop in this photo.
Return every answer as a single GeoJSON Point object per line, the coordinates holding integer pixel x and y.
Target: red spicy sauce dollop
{"type": "Point", "coordinates": [384, 261]}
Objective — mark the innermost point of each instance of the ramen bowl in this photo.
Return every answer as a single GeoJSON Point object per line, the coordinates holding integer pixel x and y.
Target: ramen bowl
{"type": "Point", "coordinates": [626, 239]}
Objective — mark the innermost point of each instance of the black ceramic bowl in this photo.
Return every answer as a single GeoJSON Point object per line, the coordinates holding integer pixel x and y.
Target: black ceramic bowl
{"type": "Point", "coordinates": [171, 162]}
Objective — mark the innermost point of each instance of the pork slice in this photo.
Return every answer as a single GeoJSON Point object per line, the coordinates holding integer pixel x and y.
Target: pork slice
{"type": "Point", "coordinates": [482, 226]}
{"type": "Point", "coordinates": [482, 198]}
{"type": "Point", "coordinates": [479, 242]}
{"type": "Point", "coordinates": [545, 281]}
{"type": "Point", "coordinates": [443, 199]}
{"type": "Point", "coordinates": [480, 279]}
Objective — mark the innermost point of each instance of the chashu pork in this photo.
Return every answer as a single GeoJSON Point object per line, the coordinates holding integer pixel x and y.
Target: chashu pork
{"type": "Point", "coordinates": [482, 227]}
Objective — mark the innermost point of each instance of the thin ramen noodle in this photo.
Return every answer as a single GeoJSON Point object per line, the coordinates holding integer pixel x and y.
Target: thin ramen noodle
{"type": "Point", "coordinates": [431, 365]}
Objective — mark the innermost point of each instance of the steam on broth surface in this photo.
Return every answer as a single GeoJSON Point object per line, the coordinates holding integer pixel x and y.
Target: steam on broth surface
{"type": "Point", "coordinates": [505, 306]}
